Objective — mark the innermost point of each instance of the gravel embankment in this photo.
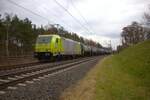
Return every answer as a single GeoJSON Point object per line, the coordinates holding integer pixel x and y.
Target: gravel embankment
{"type": "Point", "coordinates": [48, 88]}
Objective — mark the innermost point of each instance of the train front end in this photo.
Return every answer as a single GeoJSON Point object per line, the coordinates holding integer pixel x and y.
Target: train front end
{"type": "Point", "coordinates": [43, 47]}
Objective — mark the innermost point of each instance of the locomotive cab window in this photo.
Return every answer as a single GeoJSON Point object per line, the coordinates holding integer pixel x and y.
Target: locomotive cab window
{"type": "Point", "coordinates": [43, 39]}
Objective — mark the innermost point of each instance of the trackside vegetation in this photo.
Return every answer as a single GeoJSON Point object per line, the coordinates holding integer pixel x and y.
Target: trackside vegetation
{"type": "Point", "coordinates": [123, 76]}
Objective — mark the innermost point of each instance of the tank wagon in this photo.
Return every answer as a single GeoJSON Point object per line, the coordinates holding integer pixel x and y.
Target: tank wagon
{"type": "Point", "coordinates": [54, 46]}
{"type": "Point", "coordinates": [86, 50]}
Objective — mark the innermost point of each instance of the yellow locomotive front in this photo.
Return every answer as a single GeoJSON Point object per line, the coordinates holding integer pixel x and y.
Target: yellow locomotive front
{"type": "Point", "coordinates": [43, 47]}
{"type": "Point", "coordinates": [48, 46]}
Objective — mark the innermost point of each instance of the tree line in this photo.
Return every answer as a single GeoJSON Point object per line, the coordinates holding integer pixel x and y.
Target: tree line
{"type": "Point", "coordinates": [18, 36]}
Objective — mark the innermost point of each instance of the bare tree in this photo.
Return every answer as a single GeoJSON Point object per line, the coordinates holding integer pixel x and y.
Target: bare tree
{"type": "Point", "coordinates": [146, 18]}
{"type": "Point", "coordinates": [132, 34]}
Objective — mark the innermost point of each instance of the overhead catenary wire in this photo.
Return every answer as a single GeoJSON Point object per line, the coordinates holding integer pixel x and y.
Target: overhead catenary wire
{"type": "Point", "coordinates": [72, 16]}
{"type": "Point", "coordinates": [54, 15]}
{"type": "Point", "coordinates": [20, 6]}
{"type": "Point", "coordinates": [14, 3]}
{"type": "Point", "coordinates": [80, 14]}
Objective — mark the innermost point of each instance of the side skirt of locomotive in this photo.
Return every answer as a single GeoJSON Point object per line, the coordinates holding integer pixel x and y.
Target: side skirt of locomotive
{"type": "Point", "coordinates": [48, 56]}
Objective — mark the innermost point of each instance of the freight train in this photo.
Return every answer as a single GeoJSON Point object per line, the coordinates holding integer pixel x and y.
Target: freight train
{"type": "Point", "coordinates": [55, 46]}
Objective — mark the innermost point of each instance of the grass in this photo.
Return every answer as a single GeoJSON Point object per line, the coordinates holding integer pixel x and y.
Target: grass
{"type": "Point", "coordinates": [123, 76]}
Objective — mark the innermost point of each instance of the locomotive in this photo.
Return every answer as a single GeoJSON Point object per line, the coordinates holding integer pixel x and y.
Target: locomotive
{"type": "Point", "coordinates": [55, 46]}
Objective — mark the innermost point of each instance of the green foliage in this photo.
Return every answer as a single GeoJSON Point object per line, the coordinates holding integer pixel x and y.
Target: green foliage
{"type": "Point", "coordinates": [20, 34]}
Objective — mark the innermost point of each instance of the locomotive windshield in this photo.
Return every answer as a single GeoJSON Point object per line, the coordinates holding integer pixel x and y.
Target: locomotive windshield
{"type": "Point", "coordinates": [43, 39]}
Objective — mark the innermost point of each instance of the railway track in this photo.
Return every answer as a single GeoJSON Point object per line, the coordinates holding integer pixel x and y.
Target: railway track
{"type": "Point", "coordinates": [21, 75]}
{"type": "Point", "coordinates": [18, 66]}
{"type": "Point", "coordinates": [24, 68]}
{"type": "Point", "coordinates": [9, 67]}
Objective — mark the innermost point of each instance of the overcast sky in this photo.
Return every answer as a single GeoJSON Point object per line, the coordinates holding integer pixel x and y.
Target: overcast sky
{"type": "Point", "coordinates": [100, 20]}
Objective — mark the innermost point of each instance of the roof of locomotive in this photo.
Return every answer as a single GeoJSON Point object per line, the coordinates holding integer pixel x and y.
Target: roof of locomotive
{"type": "Point", "coordinates": [58, 36]}
{"type": "Point", "coordinates": [49, 35]}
